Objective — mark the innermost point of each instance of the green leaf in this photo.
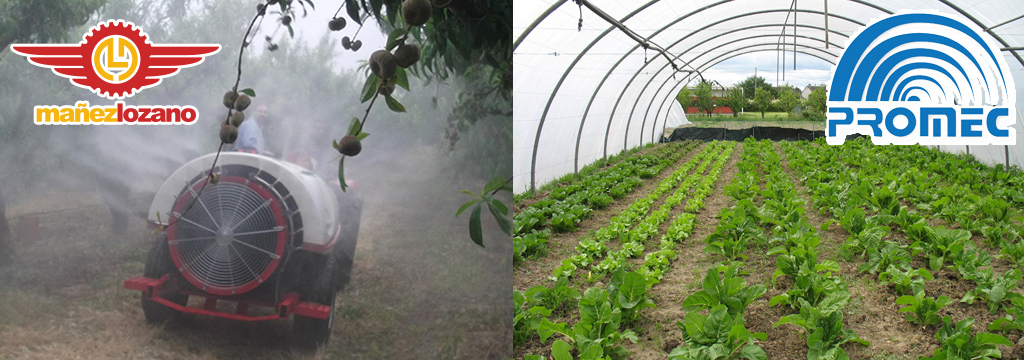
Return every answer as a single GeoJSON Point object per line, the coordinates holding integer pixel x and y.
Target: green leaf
{"type": "Point", "coordinates": [548, 328]}
{"type": "Point", "coordinates": [990, 338]}
{"type": "Point", "coordinates": [560, 350]}
{"type": "Point", "coordinates": [825, 225]}
{"type": "Point", "coordinates": [498, 205]}
{"type": "Point", "coordinates": [594, 352]}
{"type": "Point", "coordinates": [466, 206]}
{"type": "Point", "coordinates": [392, 14]}
{"type": "Point", "coordinates": [500, 213]}
{"type": "Point", "coordinates": [393, 104]}
{"type": "Point", "coordinates": [248, 91]}
{"type": "Point", "coordinates": [341, 173]}
{"type": "Point", "coordinates": [393, 38]}
{"type": "Point", "coordinates": [376, 6]}
{"type": "Point", "coordinates": [370, 88]}
{"type": "Point", "coordinates": [752, 352]}
{"type": "Point", "coordinates": [353, 11]}
{"type": "Point", "coordinates": [634, 286]}
{"type": "Point", "coordinates": [353, 127]}
{"type": "Point", "coordinates": [362, 135]}
{"type": "Point", "coordinates": [402, 78]}
{"type": "Point", "coordinates": [475, 230]}
{"type": "Point", "coordinates": [495, 184]}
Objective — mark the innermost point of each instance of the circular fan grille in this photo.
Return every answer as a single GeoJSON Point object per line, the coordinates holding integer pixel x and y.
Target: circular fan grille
{"type": "Point", "coordinates": [230, 239]}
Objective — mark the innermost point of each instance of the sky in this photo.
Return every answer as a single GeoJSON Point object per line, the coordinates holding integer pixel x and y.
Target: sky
{"type": "Point", "coordinates": [809, 70]}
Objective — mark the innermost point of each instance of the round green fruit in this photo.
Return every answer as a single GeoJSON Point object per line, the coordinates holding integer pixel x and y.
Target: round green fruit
{"type": "Point", "coordinates": [416, 12]}
{"type": "Point", "coordinates": [236, 118]}
{"type": "Point", "coordinates": [382, 64]}
{"type": "Point", "coordinates": [228, 134]}
{"type": "Point", "coordinates": [242, 102]}
{"type": "Point", "coordinates": [336, 24]}
{"type": "Point", "coordinates": [407, 54]}
{"type": "Point", "coordinates": [229, 99]}
{"type": "Point", "coordinates": [350, 145]}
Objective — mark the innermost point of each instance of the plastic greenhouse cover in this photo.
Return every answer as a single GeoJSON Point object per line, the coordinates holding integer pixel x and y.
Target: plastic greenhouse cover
{"type": "Point", "coordinates": [583, 93]}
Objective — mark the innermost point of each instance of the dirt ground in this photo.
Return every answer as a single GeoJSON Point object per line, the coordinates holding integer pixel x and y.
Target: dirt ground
{"type": "Point", "coordinates": [420, 289]}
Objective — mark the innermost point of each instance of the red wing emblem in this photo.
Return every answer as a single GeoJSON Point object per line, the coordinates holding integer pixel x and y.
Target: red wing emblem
{"type": "Point", "coordinates": [115, 59]}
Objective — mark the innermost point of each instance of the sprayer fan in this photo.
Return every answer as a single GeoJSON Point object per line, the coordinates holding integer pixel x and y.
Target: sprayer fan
{"type": "Point", "coordinates": [229, 237]}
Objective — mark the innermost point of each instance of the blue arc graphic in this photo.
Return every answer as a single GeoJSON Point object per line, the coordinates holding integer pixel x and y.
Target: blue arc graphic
{"type": "Point", "coordinates": [876, 54]}
{"type": "Point", "coordinates": [904, 97]}
{"type": "Point", "coordinates": [851, 57]}
{"type": "Point", "coordinates": [895, 76]}
{"type": "Point", "coordinates": [905, 82]}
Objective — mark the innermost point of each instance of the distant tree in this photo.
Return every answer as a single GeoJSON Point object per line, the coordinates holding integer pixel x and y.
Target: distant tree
{"type": "Point", "coordinates": [684, 98]}
{"type": "Point", "coordinates": [34, 21]}
{"type": "Point", "coordinates": [755, 82]}
{"type": "Point", "coordinates": [763, 100]}
{"type": "Point", "coordinates": [704, 101]}
{"type": "Point", "coordinates": [817, 99]}
{"type": "Point", "coordinates": [736, 101]}
{"type": "Point", "coordinates": [788, 99]}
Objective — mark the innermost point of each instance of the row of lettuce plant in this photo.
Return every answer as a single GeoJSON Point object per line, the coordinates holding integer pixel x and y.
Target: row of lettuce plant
{"type": "Point", "coordinates": [588, 169]}
{"type": "Point", "coordinates": [698, 188]}
{"type": "Point", "coordinates": [629, 223]}
{"type": "Point", "coordinates": [568, 205]}
{"type": "Point", "coordinates": [714, 326]}
{"type": "Point", "coordinates": [607, 313]}
{"type": "Point", "coordinates": [850, 180]}
{"type": "Point", "coordinates": [816, 293]}
{"type": "Point", "coordinates": [693, 189]}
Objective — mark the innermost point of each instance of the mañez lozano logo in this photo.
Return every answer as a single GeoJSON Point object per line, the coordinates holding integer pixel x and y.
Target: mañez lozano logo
{"type": "Point", "coordinates": [922, 78]}
{"type": "Point", "coordinates": [115, 60]}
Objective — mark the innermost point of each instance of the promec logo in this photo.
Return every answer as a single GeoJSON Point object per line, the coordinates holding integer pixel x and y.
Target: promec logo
{"type": "Point", "coordinates": [922, 78]}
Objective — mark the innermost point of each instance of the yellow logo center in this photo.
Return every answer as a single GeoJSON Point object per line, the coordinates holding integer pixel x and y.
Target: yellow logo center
{"type": "Point", "coordinates": [115, 59]}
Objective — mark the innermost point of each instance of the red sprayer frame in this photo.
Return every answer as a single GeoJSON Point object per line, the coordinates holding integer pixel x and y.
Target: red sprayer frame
{"type": "Point", "coordinates": [289, 304]}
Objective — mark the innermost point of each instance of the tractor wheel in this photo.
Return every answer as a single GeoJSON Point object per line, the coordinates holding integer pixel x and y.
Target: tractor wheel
{"type": "Point", "coordinates": [312, 333]}
{"type": "Point", "coordinates": [158, 264]}
{"type": "Point", "coordinates": [350, 211]}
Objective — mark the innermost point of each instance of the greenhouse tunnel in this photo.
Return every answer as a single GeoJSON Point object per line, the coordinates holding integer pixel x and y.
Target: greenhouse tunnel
{"type": "Point", "coordinates": [597, 77]}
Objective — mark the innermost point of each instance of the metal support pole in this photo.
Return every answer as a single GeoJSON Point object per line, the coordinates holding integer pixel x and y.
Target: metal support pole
{"type": "Point", "coordinates": [1006, 153]}
{"type": "Point", "coordinates": [794, 35]}
{"type": "Point", "coordinates": [826, 24]}
{"type": "Point", "coordinates": [1004, 23]}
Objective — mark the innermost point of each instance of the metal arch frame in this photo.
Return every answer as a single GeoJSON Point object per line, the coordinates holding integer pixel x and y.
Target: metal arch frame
{"type": "Point", "coordinates": [1006, 148]}
{"type": "Point", "coordinates": [599, 86]}
{"type": "Point", "coordinates": [643, 124]}
{"type": "Point", "coordinates": [630, 82]}
{"type": "Point", "coordinates": [543, 16]}
{"type": "Point", "coordinates": [533, 160]}
{"type": "Point", "coordinates": [651, 104]}
{"type": "Point", "coordinates": [984, 28]}
{"type": "Point", "coordinates": [544, 115]}
{"type": "Point", "coordinates": [669, 99]}
{"type": "Point", "coordinates": [583, 121]}
{"type": "Point", "coordinates": [742, 15]}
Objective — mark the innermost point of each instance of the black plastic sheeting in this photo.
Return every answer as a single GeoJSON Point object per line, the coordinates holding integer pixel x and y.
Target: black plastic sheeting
{"type": "Point", "coordinates": [759, 133]}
